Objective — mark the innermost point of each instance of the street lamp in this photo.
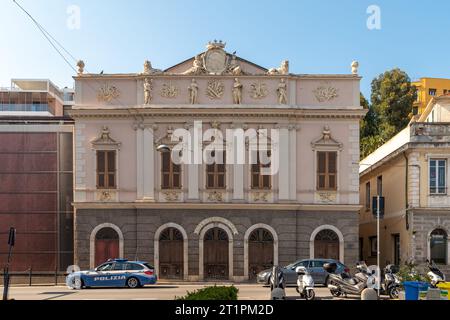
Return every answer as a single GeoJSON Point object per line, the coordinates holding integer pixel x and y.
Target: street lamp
{"type": "Point", "coordinates": [163, 148]}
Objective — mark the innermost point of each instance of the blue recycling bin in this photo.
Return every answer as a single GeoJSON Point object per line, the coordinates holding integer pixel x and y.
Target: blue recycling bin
{"type": "Point", "coordinates": [412, 289]}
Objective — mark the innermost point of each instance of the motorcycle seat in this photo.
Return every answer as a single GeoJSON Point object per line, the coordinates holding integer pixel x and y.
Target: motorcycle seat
{"type": "Point", "coordinates": [351, 281]}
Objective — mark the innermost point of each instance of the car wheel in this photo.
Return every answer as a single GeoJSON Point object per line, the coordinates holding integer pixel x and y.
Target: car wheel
{"type": "Point", "coordinates": [133, 283]}
{"type": "Point", "coordinates": [76, 283]}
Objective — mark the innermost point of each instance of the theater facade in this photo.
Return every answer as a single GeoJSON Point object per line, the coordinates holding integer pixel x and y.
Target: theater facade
{"type": "Point", "coordinates": [216, 221]}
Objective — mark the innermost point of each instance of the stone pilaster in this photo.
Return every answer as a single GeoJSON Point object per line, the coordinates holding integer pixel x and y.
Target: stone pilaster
{"type": "Point", "coordinates": [413, 180]}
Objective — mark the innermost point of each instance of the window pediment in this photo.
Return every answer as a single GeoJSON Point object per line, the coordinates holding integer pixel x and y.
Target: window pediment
{"type": "Point", "coordinates": [104, 141]}
{"type": "Point", "coordinates": [326, 141]}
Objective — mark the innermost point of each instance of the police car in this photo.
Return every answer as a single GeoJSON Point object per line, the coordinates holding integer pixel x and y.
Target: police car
{"type": "Point", "coordinates": [114, 273]}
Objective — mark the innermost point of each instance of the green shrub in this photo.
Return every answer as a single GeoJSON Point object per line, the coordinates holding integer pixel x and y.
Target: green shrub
{"type": "Point", "coordinates": [212, 293]}
{"type": "Point", "coordinates": [409, 272]}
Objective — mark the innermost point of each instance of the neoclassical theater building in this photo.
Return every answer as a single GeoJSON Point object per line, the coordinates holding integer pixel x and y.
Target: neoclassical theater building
{"type": "Point", "coordinates": [220, 221]}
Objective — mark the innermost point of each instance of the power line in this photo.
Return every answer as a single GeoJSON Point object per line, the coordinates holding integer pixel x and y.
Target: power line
{"type": "Point", "coordinates": [49, 38]}
{"type": "Point", "coordinates": [47, 35]}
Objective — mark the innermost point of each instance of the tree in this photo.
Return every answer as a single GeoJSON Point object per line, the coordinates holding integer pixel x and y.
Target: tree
{"type": "Point", "coordinates": [392, 99]}
{"type": "Point", "coordinates": [390, 109]}
{"type": "Point", "coordinates": [369, 138]}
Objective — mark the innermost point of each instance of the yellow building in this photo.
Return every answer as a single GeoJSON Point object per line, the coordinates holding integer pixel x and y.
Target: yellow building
{"type": "Point", "coordinates": [412, 172]}
{"type": "Point", "coordinates": [427, 88]}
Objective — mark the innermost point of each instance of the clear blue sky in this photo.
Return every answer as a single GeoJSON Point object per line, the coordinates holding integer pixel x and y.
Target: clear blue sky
{"type": "Point", "coordinates": [316, 36]}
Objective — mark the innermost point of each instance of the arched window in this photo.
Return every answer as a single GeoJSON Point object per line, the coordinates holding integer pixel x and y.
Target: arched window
{"type": "Point", "coordinates": [438, 246]}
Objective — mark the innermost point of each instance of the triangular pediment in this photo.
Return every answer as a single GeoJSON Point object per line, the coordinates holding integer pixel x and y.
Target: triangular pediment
{"type": "Point", "coordinates": [216, 61]}
{"type": "Point", "coordinates": [326, 141]}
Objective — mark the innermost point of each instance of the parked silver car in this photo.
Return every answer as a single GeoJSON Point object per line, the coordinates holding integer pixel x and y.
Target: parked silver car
{"type": "Point", "coordinates": [314, 266]}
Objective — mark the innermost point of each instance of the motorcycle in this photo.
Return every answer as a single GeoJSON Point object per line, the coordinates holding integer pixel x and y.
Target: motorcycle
{"type": "Point", "coordinates": [389, 285]}
{"type": "Point", "coordinates": [305, 283]}
{"type": "Point", "coordinates": [435, 274]}
{"type": "Point", "coordinates": [344, 284]}
{"type": "Point", "coordinates": [391, 282]}
{"type": "Point", "coordinates": [277, 284]}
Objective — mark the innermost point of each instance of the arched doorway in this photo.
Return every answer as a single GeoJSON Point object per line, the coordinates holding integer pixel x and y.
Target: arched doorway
{"type": "Point", "coordinates": [106, 245]}
{"type": "Point", "coordinates": [216, 254]}
{"type": "Point", "coordinates": [326, 245]}
{"type": "Point", "coordinates": [260, 251]}
{"type": "Point", "coordinates": [171, 254]}
{"type": "Point", "coordinates": [438, 246]}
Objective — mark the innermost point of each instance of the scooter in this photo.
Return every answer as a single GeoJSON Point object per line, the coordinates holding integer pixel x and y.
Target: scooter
{"type": "Point", "coordinates": [305, 283]}
{"type": "Point", "coordinates": [389, 285]}
{"type": "Point", "coordinates": [277, 284]}
{"type": "Point", "coordinates": [391, 282]}
{"type": "Point", "coordinates": [363, 272]}
{"type": "Point", "coordinates": [435, 274]}
{"type": "Point", "coordinates": [344, 284]}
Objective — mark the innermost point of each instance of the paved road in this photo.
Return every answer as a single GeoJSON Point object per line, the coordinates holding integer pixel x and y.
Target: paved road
{"type": "Point", "coordinates": [157, 292]}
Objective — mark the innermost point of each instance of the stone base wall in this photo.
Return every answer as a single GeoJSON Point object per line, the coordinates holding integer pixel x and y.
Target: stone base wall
{"type": "Point", "coordinates": [424, 222]}
{"type": "Point", "coordinates": [138, 226]}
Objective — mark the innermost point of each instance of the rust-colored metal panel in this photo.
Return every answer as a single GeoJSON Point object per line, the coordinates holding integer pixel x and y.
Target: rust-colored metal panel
{"type": "Point", "coordinates": [28, 182]}
{"type": "Point", "coordinates": [29, 197]}
{"type": "Point", "coordinates": [27, 222]}
{"type": "Point", "coordinates": [27, 202]}
{"type": "Point", "coordinates": [26, 142]}
{"type": "Point", "coordinates": [28, 162]}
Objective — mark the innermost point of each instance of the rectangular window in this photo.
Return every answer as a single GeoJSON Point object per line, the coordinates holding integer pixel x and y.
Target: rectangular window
{"type": "Point", "coordinates": [438, 176]}
{"type": "Point", "coordinates": [170, 172]}
{"type": "Point", "coordinates": [260, 181]}
{"type": "Point", "coordinates": [326, 170]}
{"type": "Point", "coordinates": [106, 169]}
{"type": "Point", "coordinates": [432, 92]}
{"type": "Point", "coordinates": [380, 186]}
{"type": "Point", "coordinates": [215, 174]}
{"type": "Point", "coordinates": [368, 196]}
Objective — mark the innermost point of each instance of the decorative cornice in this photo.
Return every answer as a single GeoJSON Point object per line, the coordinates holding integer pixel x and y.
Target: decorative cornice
{"type": "Point", "coordinates": [251, 207]}
{"type": "Point", "coordinates": [289, 113]}
{"type": "Point", "coordinates": [139, 76]}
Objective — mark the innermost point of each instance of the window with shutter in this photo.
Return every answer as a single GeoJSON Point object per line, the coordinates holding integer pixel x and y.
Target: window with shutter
{"type": "Point", "coordinates": [260, 181]}
{"type": "Point", "coordinates": [215, 174]}
{"type": "Point", "coordinates": [326, 170]}
{"type": "Point", "coordinates": [106, 169]}
{"type": "Point", "coordinates": [170, 172]}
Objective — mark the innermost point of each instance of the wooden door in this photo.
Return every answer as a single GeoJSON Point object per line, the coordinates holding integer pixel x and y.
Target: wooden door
{"type": "Point", "coordinates": [260, 252]}
{"type": "Point", "coordinates": [171, 254]}
{"type": "Point", "coordinates": [215, 251]}
{"type": "Point", "coordinates": [106, 246]}
{"type": "Point", "coordinates": [326, 245]}
{"type": "Point", "coordinates": [106, 249]}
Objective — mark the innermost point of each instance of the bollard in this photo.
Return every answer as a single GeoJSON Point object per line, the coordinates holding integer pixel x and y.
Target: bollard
{"type": "Point", "coordinates": [434, 294]}
{"type": "Point", "coordinates": [30, 274]}
{"type": "Point", "coordinates": [369, 294]}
